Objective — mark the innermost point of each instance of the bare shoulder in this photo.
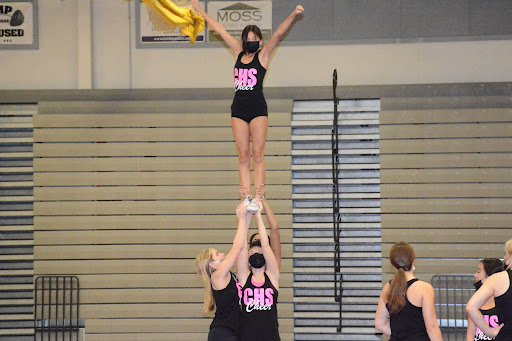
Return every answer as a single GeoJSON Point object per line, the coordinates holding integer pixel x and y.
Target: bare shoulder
{"type": "Point", "coordinates": [498, 280]}
{"type": "Point", "coordinates": [423, 286]}
{"type": "Point", "coordinates": [426, 285]}
{"type": "Point", "coordinates": [499, 276]}
{"type": "Point", "coordinates": [418, 291]}
{"type": "Point", "coordinates": [385, 291]}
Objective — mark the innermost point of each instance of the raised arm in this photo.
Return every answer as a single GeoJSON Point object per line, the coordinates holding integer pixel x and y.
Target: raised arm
{"type": "Point", "coordinates": [275, 237]}
{"type": "Point", "coordinates": [271, 264]}
{"type": "Point", "coordinates": [213, 24]}
{"type": "Point", "coordinates": [269, 47]}
{"type": "Point", "coordinates": [221, 277]}
{"type": "Point", "coordinates": [478, 299]}
{"type": "Point", "coordinates": [429, 313]}
{"type": "Point", "coordinates": [242, 263]}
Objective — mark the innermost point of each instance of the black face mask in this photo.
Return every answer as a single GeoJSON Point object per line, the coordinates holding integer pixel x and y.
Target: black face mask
{"type": "Point", "coordinates": [251, 46]}
{"type": "Point", "coordinates": [478, 284]}
{"type": "Point", "coordinates": [257, 260]}
{"type": "Point", "coordinates": [256, 242]}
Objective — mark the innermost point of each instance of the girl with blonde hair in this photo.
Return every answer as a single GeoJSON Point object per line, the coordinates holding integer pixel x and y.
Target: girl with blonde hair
{"type": "Point", "coordinates": [220, 284]}
{"type": "Point", "coordinates": [499, 287]}
{"type": "Point", "coordinates": [406, 305]}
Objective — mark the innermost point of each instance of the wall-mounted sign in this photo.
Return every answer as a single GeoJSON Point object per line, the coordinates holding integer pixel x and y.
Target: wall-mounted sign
{"type": "Point", "coordinates": [18, 28]}
{"type": "Point", "coordinates": [235, 15]}
{"type": "Point", "coordinates": [149, 34]}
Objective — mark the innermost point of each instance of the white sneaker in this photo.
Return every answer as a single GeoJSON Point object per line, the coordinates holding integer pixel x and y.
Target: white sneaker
{"type": "Point", "coordinates": [247, 202]}
{"type": "Point", "coordinates": [254, 206]}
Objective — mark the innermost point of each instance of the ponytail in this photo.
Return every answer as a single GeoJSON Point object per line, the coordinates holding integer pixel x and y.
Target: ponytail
{"type": "Point", "coordinates": [397, 292]}
{"type": "Point", "coordinates": [203, 269]}
{"type": "Point", "coordinates": [402, 258]}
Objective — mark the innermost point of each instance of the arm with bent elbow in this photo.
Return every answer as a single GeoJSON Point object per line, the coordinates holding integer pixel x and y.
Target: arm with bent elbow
{"type": "Point", "coordinates": [478, 299]}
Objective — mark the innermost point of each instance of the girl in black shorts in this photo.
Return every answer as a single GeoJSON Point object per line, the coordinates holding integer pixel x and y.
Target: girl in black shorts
{"type": "Point", "coordinates": [249, 114]}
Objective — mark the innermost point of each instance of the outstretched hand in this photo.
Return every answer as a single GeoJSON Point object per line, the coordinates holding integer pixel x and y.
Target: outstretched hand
{"type": "Point", "coordinates": [260, 207]}
{"type": "Point", "coordinates": [241, 212]}
{"type": "Point", "coordinates": [298, 10]}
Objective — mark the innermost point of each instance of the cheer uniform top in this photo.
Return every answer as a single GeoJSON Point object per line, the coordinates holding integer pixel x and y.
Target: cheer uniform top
{"type": "Point", "coordinates": [491, 318]}
{"type": "Point", "coordinates": [258, 319]}
{"type": "Point", "coordinates": [408, 323]}
{"type": "Point", "coordinates": [227, 313]}
{"type": "Point", "coordinates": [249, 101]}
{"type": "Point", "coordinates": [504, 309]}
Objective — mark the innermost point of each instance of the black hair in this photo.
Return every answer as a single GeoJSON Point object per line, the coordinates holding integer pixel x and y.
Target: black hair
{"type": "Point", "coordinates": [492, 266]}
{"type": "Point", "coordinates": [245, 33]}
{"type": "Point", "coordinates": [252, 237]}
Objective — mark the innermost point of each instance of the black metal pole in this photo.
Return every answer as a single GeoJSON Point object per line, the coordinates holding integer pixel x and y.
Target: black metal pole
{"type": "Point", "coordinates": [336, 201]}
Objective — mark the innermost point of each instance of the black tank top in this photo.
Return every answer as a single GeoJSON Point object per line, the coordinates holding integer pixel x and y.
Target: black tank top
{"type": "Point", "coordinates": [227, 313]}
{"type": "Point", "coordinates": [491, 318]}
{"type": "Point", "coordinates": [259, 311]}
{"type": "Point", "coordinates": [504, 309]}
{"type": "Point", "coordinates": [248, 83]}
{"type": "Point", "coordinates": [408, 323]}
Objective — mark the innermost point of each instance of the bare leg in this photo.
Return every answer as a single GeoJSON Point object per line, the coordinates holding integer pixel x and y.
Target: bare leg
{"type": "Point", "coordinates": [258, 128]}
{"type": "Point", "coordinates": [241, 133]}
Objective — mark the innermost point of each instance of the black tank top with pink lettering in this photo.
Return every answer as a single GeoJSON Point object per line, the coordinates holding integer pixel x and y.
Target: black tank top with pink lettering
{"type": "Point", "coordinates": [248, 83]}
{"type": "Point", "coordinates": [491, 318]}
{"type": "Point", "coordinates": [259, 311]}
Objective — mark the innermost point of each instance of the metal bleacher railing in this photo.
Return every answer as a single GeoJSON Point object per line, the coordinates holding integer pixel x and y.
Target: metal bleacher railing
{"type": "Point", "coordinates": [336, 216]}
{"type": "Point", "coordinates": [57, 304]}
{"type": "Point", "coordinates": [452, 292]}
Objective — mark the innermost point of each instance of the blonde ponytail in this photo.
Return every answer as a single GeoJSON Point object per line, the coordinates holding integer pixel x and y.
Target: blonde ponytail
{"type": "Point", "coordinates": [203, 269]}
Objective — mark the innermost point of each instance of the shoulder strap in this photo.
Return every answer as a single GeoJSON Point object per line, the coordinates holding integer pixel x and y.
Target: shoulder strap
{"type": "Point", "coordinates": [257, 58]}
{"type": "Point", "coordinates": [409, 283]}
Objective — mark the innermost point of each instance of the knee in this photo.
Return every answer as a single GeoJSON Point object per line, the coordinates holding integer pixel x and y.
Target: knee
{"type": "Point", "coordinates": [244, 157]}
{"type": "Point", "coordinates": [257, 156]}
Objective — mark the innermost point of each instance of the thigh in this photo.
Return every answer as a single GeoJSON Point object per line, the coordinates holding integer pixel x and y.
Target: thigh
{"type": "Point", "coordinates": [258, 129]}
{"type": "Point", "coordinates": [222, 334]}
{"type": "Point", "coordinates": [241, 133]}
